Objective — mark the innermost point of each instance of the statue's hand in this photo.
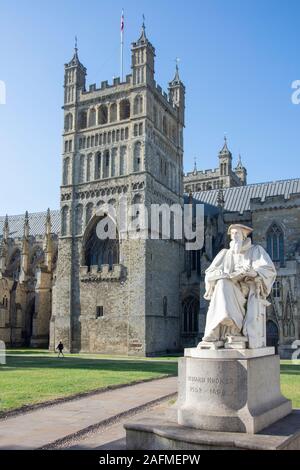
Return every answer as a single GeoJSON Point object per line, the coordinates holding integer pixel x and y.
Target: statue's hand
{"type": "Point", "coordinates": [251, 273]}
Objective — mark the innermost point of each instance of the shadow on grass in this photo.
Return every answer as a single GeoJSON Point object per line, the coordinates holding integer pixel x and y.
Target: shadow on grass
{"type": "Point", "coordinates": [75, 363]}
{"type": "Point", "coordinates": [292, 369]}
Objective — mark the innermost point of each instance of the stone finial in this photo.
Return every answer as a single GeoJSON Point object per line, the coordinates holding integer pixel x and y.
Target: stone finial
{"type": "Point", "coordinates": [195, 165]}
{"type": "Point", "coordinates": [48, 222]}
{"type": "Point", "coordinates": [239, 164]}
{"type": "Point", "coordinates": [143, 37]}
{"type": "Point", "coordinates": [26, 225]}
{"type": "Point", "coordinates": [6, 228]}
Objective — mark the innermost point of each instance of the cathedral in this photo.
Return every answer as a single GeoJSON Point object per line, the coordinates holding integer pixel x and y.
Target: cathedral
{"type": "Point", "coordinates": [136, 295]}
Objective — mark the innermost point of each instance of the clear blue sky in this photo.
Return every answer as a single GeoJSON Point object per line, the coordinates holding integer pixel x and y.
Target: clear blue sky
{"type": "Point", "coordinates": [238, 60]}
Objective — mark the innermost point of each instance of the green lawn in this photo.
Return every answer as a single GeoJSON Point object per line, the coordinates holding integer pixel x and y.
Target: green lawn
{"type": "Point", "coordinates": [290, 381]}
{"type": "Point", "coordinates": [33, 376]}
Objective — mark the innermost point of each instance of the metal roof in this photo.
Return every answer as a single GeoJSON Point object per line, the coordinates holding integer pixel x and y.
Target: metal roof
{"type": "Point", "coordinates": [238, 199]}
{"type": "Point", "coordinates": [37, 222]}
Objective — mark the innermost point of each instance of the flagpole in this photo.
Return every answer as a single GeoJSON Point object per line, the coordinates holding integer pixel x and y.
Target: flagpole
{"type": "Point", "coordinates": [122, 43]}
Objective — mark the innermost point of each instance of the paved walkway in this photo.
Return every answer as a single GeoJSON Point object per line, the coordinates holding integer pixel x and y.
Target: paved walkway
{"type": "Point", "coordinates": [113, 436]}
{"type": "Point", "coordinates": [44, 426]}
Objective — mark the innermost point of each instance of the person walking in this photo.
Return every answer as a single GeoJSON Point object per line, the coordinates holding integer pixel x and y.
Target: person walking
{"type": "Point", "coordinates": [60, 348]}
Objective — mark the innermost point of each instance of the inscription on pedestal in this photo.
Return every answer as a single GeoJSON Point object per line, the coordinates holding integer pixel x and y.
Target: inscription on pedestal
{"type": "Point", "coordinates": [208, 385]}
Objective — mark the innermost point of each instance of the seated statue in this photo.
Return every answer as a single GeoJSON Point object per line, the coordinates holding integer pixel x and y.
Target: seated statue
{"type": "Point", "coordinates": [237, 284]}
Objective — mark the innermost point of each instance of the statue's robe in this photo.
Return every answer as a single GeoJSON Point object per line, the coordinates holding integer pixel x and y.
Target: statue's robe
{"type": "Point", "coordinates": [240, 304]}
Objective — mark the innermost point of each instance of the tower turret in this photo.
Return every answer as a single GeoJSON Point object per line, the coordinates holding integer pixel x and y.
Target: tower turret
{"type": "Point", "coordinates": [75, 74]}
{"type": "Point", "coordinates": [225, 160]}
{"type": "Point", "coordinates": [142, 60]}
{"type": "Point", "coordinates": [241, 171]}
{"type": "Point", "coordinates": [177, 93]}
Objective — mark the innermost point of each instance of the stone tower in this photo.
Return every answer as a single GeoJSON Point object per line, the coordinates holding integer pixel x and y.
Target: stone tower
{"type": "Point", "coordinates": [121, 141]}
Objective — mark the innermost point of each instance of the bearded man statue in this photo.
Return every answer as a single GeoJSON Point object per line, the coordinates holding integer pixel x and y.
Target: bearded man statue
{"type": "Point", "coordinates": [237, 284]}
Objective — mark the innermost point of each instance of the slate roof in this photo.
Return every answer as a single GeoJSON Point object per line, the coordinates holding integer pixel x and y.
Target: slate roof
{"type": "Point", "coordinates": [238, 199]}
{"type": "Point", "coordinates": [36, 223]}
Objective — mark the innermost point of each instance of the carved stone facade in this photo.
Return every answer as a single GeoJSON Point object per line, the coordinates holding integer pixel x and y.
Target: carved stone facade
{"type": "Point", "coordinates": [136, 296]}
{"type": "Point", "coordinates": [222, 177]}
{"type": "Point", "coordinates": [124, 139]}
{"type": "Point", "coordinates": [27, 267]}
{"type": "Point", "coordinates": [273, 210]}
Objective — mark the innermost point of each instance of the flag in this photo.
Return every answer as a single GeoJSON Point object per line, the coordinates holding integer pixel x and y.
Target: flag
{"type": "Point", "coordinates": [122, 21]}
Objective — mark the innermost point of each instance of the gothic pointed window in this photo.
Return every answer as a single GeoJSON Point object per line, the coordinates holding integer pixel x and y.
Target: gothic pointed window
{"type": "Point", "coordinates": [276, 289]}
{"type": "Point", "coordinates": [190, 309]}
{"type": "Point", "coordinates": [138, 105]}
{"type": "Point", "coordinates": [88, 167]}
{"type": "Point", "coordinates": [106, 164]}
{"type": "Point", "coordinates": [68, 122]}
{"type": "Point", "coordinates": [66, 170]}
{"type": "Point", "coordinates": [114, 153]}
{"type": "Point", "coordinates": [81, 169]}
{"type": "Point", "coordinates": [92, 117]}
{"type": "Point", "coordinates": [82, 120]}
{"type": "Point", "coordinates": [275, 243]}
{"type": "Point", "coordinates": [102, 114]}
{"type": "Point", "coordinates": [123, 157]}
{"type": "Point", "coordinates": [124, 109]}
{"type": "Point", "coordinates": [113, 111]}
{"type": "Point", "coordinates": [64, 221]}
{"type": "Point", "coordinates": [97, 166]}
{"type": "Point", "coordinates": [98, 251]}
{"type": "Point", "coordinates": [137, 157]}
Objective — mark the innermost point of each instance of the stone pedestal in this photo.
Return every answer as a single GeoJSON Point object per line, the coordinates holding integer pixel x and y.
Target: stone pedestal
{"type": "Point", "coordinates": [230, 390]}
{"type": "Point", "coordinates": [227, 399]}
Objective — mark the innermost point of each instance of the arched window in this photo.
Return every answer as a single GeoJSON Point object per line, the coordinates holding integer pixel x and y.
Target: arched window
{"type": "Point", "coordinates": [82, 120]}
{"type": "Point", "coordinates": [88, 212]}
{"type": "Point", "coordinates": [137, 157]}
{"type": "Point", "coordinates": [276, 289]}
{"type": "Point", "coordinates": [64, 221]}
{"type": "Point", "coordinates": [78, 219]}
{"type": "Point", "coordinates": [272, 334]}
{"type": "Point", "coordinates": [124, 109]}
{"type": "Point", "coordinates": [98, 251]}
{"type": "Point", "coordinates": [106, 164]}
{"type": "Point", "coordinates": [123, 158]}
{"type": "Point", "coordinates": [69, 122]}
{"type": "Point", "coordinates": [102, 114]}
{"type": "Point", "coordinates": [113, 112]}
{"type": "Point", "coordinates": [81, 169]}
{"type": "Point", "coordinates": [138, 104]}
{"type": "Point", "coordinates": [66, 170]}
{"type": "Point", "coordinates": [92, 117]}
{"type": "Point", "coordinates": [275, 246]}
{"type": "Point", "coordinates": [114, 153]}
{"type": "Point", "coordinates": [98, 166]}
{"type": "Point", "coordinates": [190, 309]}
{"type": "Point", "coordinates": [88, 166]}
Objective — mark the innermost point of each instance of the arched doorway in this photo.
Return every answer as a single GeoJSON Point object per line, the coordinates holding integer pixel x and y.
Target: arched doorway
{"type": "Point", "coordinates": [272, 334]}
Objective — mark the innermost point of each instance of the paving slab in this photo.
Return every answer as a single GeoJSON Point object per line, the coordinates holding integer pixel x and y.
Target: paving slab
{"type": "Point", "coordinates": [41, 427]}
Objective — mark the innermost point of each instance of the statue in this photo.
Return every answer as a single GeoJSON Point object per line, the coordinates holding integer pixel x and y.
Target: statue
{"type": "Point", "coordinates": [237, 284]}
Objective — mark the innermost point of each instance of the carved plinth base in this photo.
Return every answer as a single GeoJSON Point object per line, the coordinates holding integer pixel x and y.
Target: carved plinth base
{"type": "Point", "coordinates": [225, 390]}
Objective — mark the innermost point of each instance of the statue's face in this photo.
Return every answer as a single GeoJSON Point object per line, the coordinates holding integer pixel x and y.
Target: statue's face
{"type": "Point", "coordinates": [236, 234]}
